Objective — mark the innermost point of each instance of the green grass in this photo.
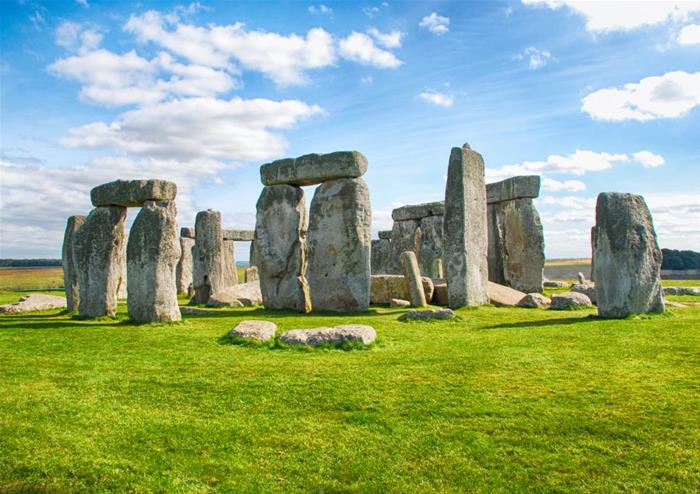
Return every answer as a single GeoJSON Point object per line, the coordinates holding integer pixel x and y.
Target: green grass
{"type": "Point", "coordinates": [31, 278]}
{"type": "Point", "coordinates": [501, 400]}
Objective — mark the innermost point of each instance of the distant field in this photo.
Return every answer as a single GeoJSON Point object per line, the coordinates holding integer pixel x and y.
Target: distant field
{"type": "Point", "coordinates": [31, 278]}
{"type": "Point", "coordinates": [567, 262]}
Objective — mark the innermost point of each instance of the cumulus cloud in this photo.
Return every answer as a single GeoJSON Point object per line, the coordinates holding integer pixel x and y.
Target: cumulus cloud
{"type": "Point", "coordinates": [320, 9]}
{"type": "Point", "coordinates": [536, 58]}
{"type": "Point", "coordinates": [78, 37]}
{"type": "Point", "coordinates": [435, 23]}
{"type": "Point", "coordinates": [670, 95]}
{"type": "Point", "coordinates": [648, 159]}
{"type": "Point", "coordinates": [360, 48]}
{"type": "Point", "coordinates": [391, 39]}
{"type": "Point", "coordinates": [551, 185]}
{"type": "Point", "coordinates": [690, 35]}
{"type": "Point", "coordinates": [437, 98]}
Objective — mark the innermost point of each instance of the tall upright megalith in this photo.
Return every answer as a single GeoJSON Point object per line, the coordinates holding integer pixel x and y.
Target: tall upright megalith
{"type": "Point", "coordinates": [211, 271]}
{"type": "Point", "coordinates": [98, 250]}
{"type": "Point", "coordinates": [431, 246]}
{"type": "Point", "coordinates": [153, 251]}
{"type": "Point", "coordinates": [70, 274]}
{"type": "Point", "coordinates": [183, 271]}
{"type": "Point", "coordinates": [465, 230]}
{"type": "Point", "coordinates": [339, 242]}
{"type": "Point", "coordinates": [627, 257]}
{"type": "Point", "coordinates": [280, 248]}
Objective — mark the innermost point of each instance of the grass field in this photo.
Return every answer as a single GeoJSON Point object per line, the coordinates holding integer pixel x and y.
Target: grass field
{"type": "Point", "coordinates": [30, 278]}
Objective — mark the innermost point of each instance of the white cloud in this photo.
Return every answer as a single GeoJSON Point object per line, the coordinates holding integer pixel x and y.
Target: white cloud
{"type": "Point", "coordinates": [648, 159]}
{"type": "Point", "coordinates": [671, 95]}
{"type": "Point", "coordinates": [77, 37]}
{"type": "Point", "coordinates": [690, 35]}
{"type": "Point", "coordinates": [437, 98]}
{"type": "Point", "coordinates": [83, 3]}
{"type": "Point", "coordinates": [367, 80]}
{"type": "Point", "coordinates": [435, 23]}
{"type": "Point", "coordinates": [622, 15]}
{"type": "Point", "coordinates": [320, 9]}
{"type": "Point", "coordinates": [370, 11]}
{"type": "Point", "coordinates": [552, 185]}
{"type": "Point", "coordinates": [536, 58]}
{"type": "Point", "coordinates": [360, 48]}
{"type": "Point", "coordinates": [387, 40]}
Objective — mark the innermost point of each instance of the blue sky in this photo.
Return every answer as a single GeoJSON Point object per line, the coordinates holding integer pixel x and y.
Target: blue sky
{"type": "Point", "coordinates": [593, 96]}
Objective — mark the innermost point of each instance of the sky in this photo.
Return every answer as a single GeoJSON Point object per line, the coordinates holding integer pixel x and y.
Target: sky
{"type": "Point", "coordinates": [593, 96]}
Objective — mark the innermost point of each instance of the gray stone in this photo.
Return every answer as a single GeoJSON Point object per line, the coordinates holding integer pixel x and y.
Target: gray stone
{"type": "Point", "coordinates": [251, 274]}
{"type": "Point", "coordinates": [681, 290]}
{"type": "Point", "coordinates": [466, 243]}
{"type": "Point", "coordinates": [312, 169]}
{"type": "Point", "coordinates": [183, 271]}
{"type": "Point", "coordinates": [231, 272]}
{"type": "Point", "coordinates": [398, 303]}
{"type": "Point", "coordinates": [339, 240]}
{"type": "Point", "coordinates": [405, 235]}
{"type": "Point", "coordinates": [70, 275]}
{"type": "Point", "coordinates": [555, 284]}
{"type": "Point", "coordinates": [254, 330]}
{"type": "Point", "coordinates": [122, 288]}
{"type": "Point", "coordinates": [381, 252]}
{"type": "Point", "coordinates": [98, 253]}
{"type": "Point", "coordinates": [133, 193]}
{"type": "Point", "coordinates": [535, 301]}
{"type": "Point", "coordinates": [522, 187]}
{"type": "Point", "coordinates": [411, 272]}
{"type": "Point", "coordinates": [503, 296]}
{"type": "Point", "coordinates": [187, 232]}
{"type": "Point", "coordinates": [385, 287]}
{"type": "Point", "coordinates": [212, 261]}
{"type": "Point", "coordinates": [152, 255]}
{"type": "Point", "coordinates": [570, 300]}
{"type": "Point", "coordinates": [384, 234]}
{"type": "Point", "coordinates": [431, 248]}
{"type": "Point", "coordinates": [32, 302]}
{"type": "Point", "coordinates": [627, 257]}
{"type": "Point", "coordinates": [239, 235]}
{"type": "Point", "coordinates": [581, 278]}
{"type": "Point", "coordinates": [593, 239]}
{"type": "Point", "coordinates": [336, 335]}
{"type": "Point", "coordinates": [588, 289]}
{"type": "Point", "coordinates": [440, 293]}
{"type": "Point", "coordinates": [241, 295]}
{"type": "Point", "coordinates": [280, 248]}
{"type": "Point", "coordinates": [418, 211]}
{"type": "Point", "coordinates": [427, 315]}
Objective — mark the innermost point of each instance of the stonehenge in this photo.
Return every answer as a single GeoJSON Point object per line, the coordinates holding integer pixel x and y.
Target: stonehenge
{"type": "Point", "coordinates": [183, 272]}
{"type": "Point", "coordinates": [213, 267]}
{"type": "Point", "coordinates": [70, 272]}
{"type": "Point", "coordinates": [411, 272]}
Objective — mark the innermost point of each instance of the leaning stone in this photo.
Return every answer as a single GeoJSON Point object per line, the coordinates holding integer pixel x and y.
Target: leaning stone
{"type": "Point", "coordinates": [681, 290]}
{"type": "Point", "coordinates": [384, 234]}
{"type": "Point", "coordinates": [405, 235]}
{"type": "Point", "coordinates": [336, 335]}
{"type": "Point", "coordinates": [241, 295]}
{"type": "Point", "coordinates": [465, 230]}
{"type": "Point", "coordinates": [183, 272]}
{"type": "Point", "coordinates": [98, 253]}
{"type": "Point", "coordinates": [535, 301]}
{"type": "Point", "coordinates": [381, 251]}
{"type": "Point", "coordinates": [251, 274]}
{"type": "Point", "coordinates": [70, 275]}
{"type": "Point", "coordinates": [280, 248]}
{"type": "Point", "coordinates": [555, 284]}
{"type": "Point", "coordinates": [427, 315]}
{"type": "Point", "coordinates": [32, 302]}
{"type": "Point", "coordinates": [627, 257]}
{"type": "Point", "coordinates": [152, 253]}
{"type": "Point", "coordinates": [385, 287]}
{"type": "Point", "coordinates": [409, 264]}
{"type": "Point", "coordinates": [588, 289]}
{"type": "Point", "coordinates": [526, 186]}
{"type": "Point", "coordinates": [503, 296]}
{"type": "Point", "coordinates": [239, 235]}
{"type": "Point", "coordinates": [187, 232]}
{"type": "Point", "coordinates": [570, 300]}
{"type": "Point", "coordinates": [431, 248]}
{"type": "Point", "coordinates": [418, 211]}
{"type": "Point", "coordinates": [213, 268]}
{"type": "Point", "coordinates": [254, 330]}
{"type": "Point", "coordinates": [312, 169]}
{"type": "Point", "coordinates": [133, 193]}
{"type": "Point", "coordinates": [398, 303]}
{"type": "Point", "coordinates": [339, 240]}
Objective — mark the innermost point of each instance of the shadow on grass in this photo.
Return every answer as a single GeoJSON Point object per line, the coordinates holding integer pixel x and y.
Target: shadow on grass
{"type": "Point", "coordinates": [256, 312]}
{"type": "Point", "coordinates": [546, 322]}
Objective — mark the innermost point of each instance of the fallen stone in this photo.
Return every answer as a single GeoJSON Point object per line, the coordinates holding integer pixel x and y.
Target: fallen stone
{"type": "Point", "coordinates": [241, 295]}
{"type": "Point", "coordinates": [183, 272]}
{"type": "Point", "coordinates": [312, 169]}
{"type": "Point", "coordinates": [681, 290]}
{"type": "Point", "coordinates": [70, 274]}
{"type": "Point", "coordinates": [411, 272]}
{"type": "Point", "coordinates": [427, 315]}
{"type": "Point", "coordinates": [397, 303]}
{"type": "Point", "coordinates": [535, 301]}
{"type": "Point", "coordinates": [239, 235]}
{"type": "Point", "coordinates": [418, 211]}
{"type": "Point", "coordinates": [385, 234]}
{"type": "Point", "coordinates": [32, 302]}
{"type": "Point", "coordinates": [254, 330]}
{"type": "Point", "coordinates": [503, 296]}
{"type": "Point", "coordinates": [133, 193]}
{"type": "Point", "coordinates": [334, 336]}
{"type": "Point", "coordinates": [525, 186]}
{"type": "Point", "coordinates": [384, 287]}
{"type": "Point", "coordinates": [570, 300]}
{"type": "Point", "coordinates": [555, 284]}
{"type": "Point", "coordinates": [588, 289]}
{"type": "Point", "coordinates": [187, 232]}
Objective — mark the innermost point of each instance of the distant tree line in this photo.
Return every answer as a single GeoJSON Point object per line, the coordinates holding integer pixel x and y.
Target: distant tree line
{"type": "Point", "coordinates": [29, 263]}
{"type": "Point", "coordinates": [680, 259]}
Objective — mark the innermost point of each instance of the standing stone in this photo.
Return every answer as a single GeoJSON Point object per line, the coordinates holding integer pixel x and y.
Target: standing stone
{"type": "Point", "coordinates": [465, 231]}
{"type": "Point", "coordinates": [70, 274]}
{"type": "Point", "coordinates": [183, 272]}
{"type": "Point", "coordinates": [152, 255]}
{"type": "Point", "coordinates": [627, 257]}
{"type": "Point", "coordinates": [211, 271]}
{"type": "Point", "coordinates": [405, 235]}
{"type": "Point", "coordinates": [431, 246]}
{"type": "Point", "coordinates": [122, 288]}
{"type": "Point", "coordinates": [251, 274]}
{"type": "Point", "coordinates": [98, 247]}
{"type": "Point", "coordinates": [339, 241]}
{"type": "Point", "coordinates": [381, 250]}
{"type": "Point", "coordinates": [230, 269]}
{"type": "Point", "coordinates": [593, 240]}
{"type": "Point", "coordinates": [409, 264]}
{"type": "Point", "coordinates": [280, 248]}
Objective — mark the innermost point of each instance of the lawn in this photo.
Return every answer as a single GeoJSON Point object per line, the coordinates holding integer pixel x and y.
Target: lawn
{"type": "Point", "coordinates": [500, 400]}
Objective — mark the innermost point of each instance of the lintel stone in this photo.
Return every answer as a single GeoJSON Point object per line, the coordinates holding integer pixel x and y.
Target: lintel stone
{"type": "Point", "coordinates": [418, 211]}
{"type": "Point", "coordinates": [513, 188]}
{"type": "Point", "coordinates": [133, 193]}
{"type": "Point", "coordinates": [312, 169]}
{"type": "Point", "coordinates": [239, 235]}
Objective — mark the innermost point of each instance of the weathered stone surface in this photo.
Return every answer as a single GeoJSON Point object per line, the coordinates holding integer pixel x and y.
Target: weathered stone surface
{"type": "Point", "coordinates": [339, 240]}
{"type": "Point", "coordinates": [152, 255]}
{"type": "Point", "coordinates": [385, 287]}
{"type": "Point", "coordinates": [243, 295]}
{"type": "Point", "coordinates": [70, 275]}
{"type": "Point", "coordinates": [555, 284]}
{"type": "Point", "coordinates": [187, 232]}
{"type": "Point", "coordinates": [122, 285]}
{"type": "Point", "coordinates": [535, 301]}
{"type": "Point", "coordinates": [418, 211]}
{"type": "Point", "coordinates": [581, 278]}
{"type": "Point", "coordinates": [681, 290]}
{"type": "Point", "coordinates": [334, 336]}
{"type": "Point", "coordinates": [384, 234]}
{"type": "Point", "coordinates": [398, 303]}
{"type": "Point", "coordinates": [133, 193]}
{"type": "Point", "coordinates": [465, 232]}
{"type": "Point", "coordinates": [381, 252]}
{"type": "Point", "coordinates": [405, 235]}
{"type": "Point", "coordinates": [627, 257]}
{"type": "Point", "coordinates": [254, 330]}
{"type": "Point", "coordinates": [431, 248]}
{"type": "Point", "coordinates": [522, 187]}
{"type": "Point", "coordinates": [239, 235]}
{"type": "Point", "coordinates": [32, 302]}
{"type": "Point", "coordinates": [593, 240]}
{"type": "Point", "coordinates": [251, 274]}
{"type": "Point", "coordinates": [183, 271]}
{"type": "Point", "coordinates": [570, 300]}
{"type": "Point", "coordinates": [313, 169]}
{"type": "Point", "coordinates": [230, 270]}
{"type": "Point", "coordinates": [98, 253]}
{"type": "Point", "coordinates": [503, 296]}
{"type": "Point", "coordinates": [280, 248]}
{"type": "Point", "coordinates": [411, 272]}
{"type": "Point", "coordinates": [588, 289]}
{"type": "Point", "coordinates": [427, 315]}
{"type": "Point", "coordinates": [212, 259]}
{"type": "Point", "coordinates": [440, 294]}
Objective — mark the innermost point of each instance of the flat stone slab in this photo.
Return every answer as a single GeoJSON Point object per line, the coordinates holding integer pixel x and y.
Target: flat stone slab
{"type": "Point", "coordinates": [385, 234]}
{"type": "Point", "coordinates": [513, 188]}
{"type": "Point", "coordinates": [681, 290]}
{"type": "Point", "coordinates": [32, 302]}
{"type": "Point", "coordinates": [588, 289]}
{"type": "Point", "coordinates": [535, 301]}
{"type": "Point", "coordinates": [427, 315]}
{"type": "Point", "coordinates": [239, 235]}
{"type": "Point", "coordinates": [312, 169]}
{"type": "Point", "coordinates": [397, 303]}
{"type": "Point", "coordinates": [254, 330]}
{"type": "Point", "coordinates": [503, 296]}
{"type": "Point", "coordinates": [335, 335]}
{"type": "Point", "coordinates": [187, 232]}
{"type": "Point", "coordinates": [555, 284]}
{"type": "Point", "coordinates": [241, 295]}
{"type": "Point", "coordinates": [133, 193]}
{"type": "Point", "coordinates": [570, 300]}
{"type": "Point", "coordinates": [418, 211]}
